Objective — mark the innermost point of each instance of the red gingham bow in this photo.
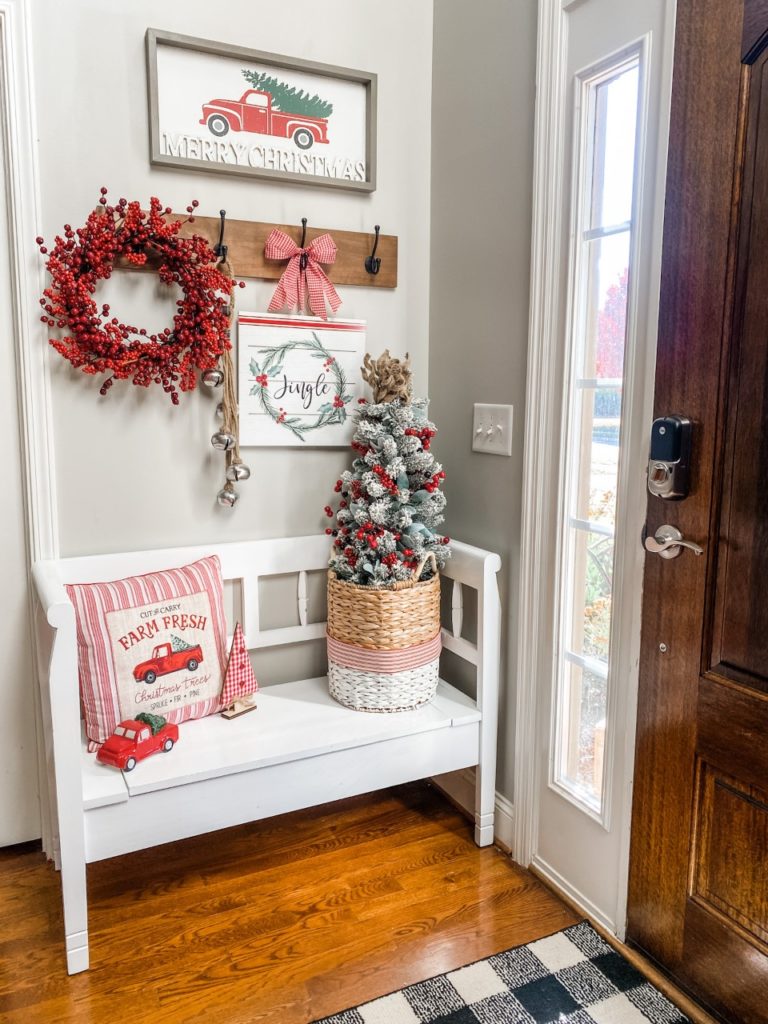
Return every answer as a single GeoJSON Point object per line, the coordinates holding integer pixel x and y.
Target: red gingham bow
{"type": "Point", "coordinates": [298, 280]}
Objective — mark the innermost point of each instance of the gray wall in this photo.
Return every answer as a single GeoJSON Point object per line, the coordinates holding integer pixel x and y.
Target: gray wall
{"type": "Point", "coordinates": [134, 472]}
{"type": "Point", "coordinates": [484, 63]}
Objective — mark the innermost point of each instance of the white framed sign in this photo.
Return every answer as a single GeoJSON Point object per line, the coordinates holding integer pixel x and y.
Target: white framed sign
{"type": "Point", "coordinates": [218, 107]}
{"type": "Point", "coordinates": [299, 379]}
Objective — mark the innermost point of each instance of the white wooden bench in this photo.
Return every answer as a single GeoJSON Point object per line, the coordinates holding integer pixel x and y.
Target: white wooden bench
{"type": "Point", "coordinates": [297, 750]}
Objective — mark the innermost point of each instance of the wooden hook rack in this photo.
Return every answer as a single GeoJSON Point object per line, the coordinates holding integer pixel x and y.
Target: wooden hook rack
{"type": "Point", "coordinates": [245, 241]}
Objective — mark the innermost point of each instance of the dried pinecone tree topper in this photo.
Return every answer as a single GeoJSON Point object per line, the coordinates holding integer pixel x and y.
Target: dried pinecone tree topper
{"type": "Point", "coordinates": [388, 377]}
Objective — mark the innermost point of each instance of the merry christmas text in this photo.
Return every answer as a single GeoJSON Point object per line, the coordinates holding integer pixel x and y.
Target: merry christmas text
{"type": "Point", "coordinates": [243, 154]}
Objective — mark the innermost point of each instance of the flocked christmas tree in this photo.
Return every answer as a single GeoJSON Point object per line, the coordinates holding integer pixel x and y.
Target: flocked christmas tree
{"type": "Point", "coordinates": [390, 500]}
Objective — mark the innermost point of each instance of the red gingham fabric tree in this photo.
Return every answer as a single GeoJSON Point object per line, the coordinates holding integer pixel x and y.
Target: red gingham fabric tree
{"type": "Point", "coordinates": [239, 681]}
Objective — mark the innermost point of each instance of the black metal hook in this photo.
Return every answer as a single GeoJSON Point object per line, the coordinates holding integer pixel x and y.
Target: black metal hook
{"type": "Point", "coordinates": [372, 262]}
{"type": "Point", "coordinates": [304, 257]}
{"type": "Point", "coordinates": [220, 249]}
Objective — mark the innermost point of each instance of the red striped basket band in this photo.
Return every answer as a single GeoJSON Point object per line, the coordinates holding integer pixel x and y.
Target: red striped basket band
{"type": "Point", "coordinates": [386, 662]}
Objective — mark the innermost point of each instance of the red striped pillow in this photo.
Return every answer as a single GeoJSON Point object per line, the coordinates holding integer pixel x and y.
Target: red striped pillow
{"type": "Point", "coordinates": [152, 643]}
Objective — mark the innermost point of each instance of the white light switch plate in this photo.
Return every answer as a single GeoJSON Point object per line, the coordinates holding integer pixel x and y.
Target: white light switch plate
{"type": "Point", "coordinates": [492, 429]}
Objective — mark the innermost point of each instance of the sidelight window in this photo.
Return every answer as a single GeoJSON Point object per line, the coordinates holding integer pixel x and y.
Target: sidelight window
{"type": "Point", "coordinates": [604, 178]}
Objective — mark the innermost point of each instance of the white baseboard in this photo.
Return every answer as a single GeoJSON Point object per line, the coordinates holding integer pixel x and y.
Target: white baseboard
{"type": "Point", "coordinates": [571, 893]}
{"type": "Point", "coordinates": [459, 787]}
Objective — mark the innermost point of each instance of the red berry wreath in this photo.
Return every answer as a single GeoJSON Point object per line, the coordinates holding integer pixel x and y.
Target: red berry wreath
{"type": "Point", "coordinates": [96, 342]}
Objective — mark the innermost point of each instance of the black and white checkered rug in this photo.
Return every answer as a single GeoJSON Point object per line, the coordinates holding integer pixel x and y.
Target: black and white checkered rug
{"type": "Point", "coordinates": [571, 977]}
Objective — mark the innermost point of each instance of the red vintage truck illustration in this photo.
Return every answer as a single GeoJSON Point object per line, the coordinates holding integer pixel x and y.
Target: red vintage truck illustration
{"type": "Point", "coordinates": [165, 659]}
{"type": "Point", "coordinates": [254, 112]}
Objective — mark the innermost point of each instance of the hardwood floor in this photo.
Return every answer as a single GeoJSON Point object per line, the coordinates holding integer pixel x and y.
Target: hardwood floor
{"type": "Point", "coordinates": [283, 921]}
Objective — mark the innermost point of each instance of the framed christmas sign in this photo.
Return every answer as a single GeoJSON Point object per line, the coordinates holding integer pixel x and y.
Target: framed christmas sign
{"type": "Point", "coordinates": [299, 379]}
{"type": "Point", "coordinates": [218, 107]}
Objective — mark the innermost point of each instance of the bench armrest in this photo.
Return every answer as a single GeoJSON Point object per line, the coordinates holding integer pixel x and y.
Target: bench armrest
{"type": "Point", "coordinates": [59, 610]}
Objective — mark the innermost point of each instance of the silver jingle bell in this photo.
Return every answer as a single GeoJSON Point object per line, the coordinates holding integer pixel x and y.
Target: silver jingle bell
{"type": "Point", "coordinates": [227, 497]}
{"type": "Point", "coordinates": [222, 441]}
{"type": "Point", "coordinates": [238, 471]}
{"type": "Point", "coordinates": [213, 378]}
{"type": "Point", "coordinates": [220, 410]}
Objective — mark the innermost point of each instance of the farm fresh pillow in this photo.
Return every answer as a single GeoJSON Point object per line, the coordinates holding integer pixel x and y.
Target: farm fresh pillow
{"type": "Point", "coordinates": [151, 643]}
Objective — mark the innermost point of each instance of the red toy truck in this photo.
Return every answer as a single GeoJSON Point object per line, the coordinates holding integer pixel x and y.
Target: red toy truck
{"type": "Point", "coordinates": [137, 738]}
{"type": "Point", "coordinates": [164, 660]}
{"type": "Point", "coordinates": [253, 112]}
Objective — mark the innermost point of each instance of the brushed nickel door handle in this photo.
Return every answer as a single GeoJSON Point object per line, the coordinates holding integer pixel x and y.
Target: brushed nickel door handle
{"type": "Point", "coordinates": [668, 542]}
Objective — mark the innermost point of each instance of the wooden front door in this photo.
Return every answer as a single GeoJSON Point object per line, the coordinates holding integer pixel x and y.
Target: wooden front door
{"type": "Point", "coordinates": [698, 890]}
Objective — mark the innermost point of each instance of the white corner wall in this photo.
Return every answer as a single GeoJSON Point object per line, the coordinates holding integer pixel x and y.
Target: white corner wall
{"type": "Point", "coordinates": [133, 471]}
{"type": "Point", "coordinates": [484, 69]}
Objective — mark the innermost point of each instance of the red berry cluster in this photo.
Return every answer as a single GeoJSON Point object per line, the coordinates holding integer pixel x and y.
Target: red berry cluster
{"type": "Point", "coordinates": [424, 434]}
{"type": "Point", "coordinates": [351, 557]}
{"type": "Point", "coordinates": [96, 342]}
{"type": "Point", "coordinates": [385, 479]}
{"type": "Point", "coordinates": [370, 534]}
{"type": "Point", "coordinates": [433, 483]}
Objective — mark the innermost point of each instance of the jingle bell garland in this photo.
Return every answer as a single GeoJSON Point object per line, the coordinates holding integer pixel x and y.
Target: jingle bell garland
{"type": "Point", "coordinates": [390, 501]}
{"type": "Point", "coordinates": [95, 342]}
{"type": "Point", "coordinates": [227, 438]}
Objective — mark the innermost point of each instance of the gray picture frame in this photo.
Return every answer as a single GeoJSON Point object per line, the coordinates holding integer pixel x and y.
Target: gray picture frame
{"type": "Point", "coordinates": [157, 37]}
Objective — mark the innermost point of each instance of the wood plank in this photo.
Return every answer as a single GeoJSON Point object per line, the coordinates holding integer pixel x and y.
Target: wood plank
{"type": "Point", "coordinates": [289, 919]}
{"type": "Point", "coordinates": [245, 241]}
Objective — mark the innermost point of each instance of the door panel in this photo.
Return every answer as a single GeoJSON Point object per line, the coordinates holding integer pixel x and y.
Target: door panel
{"type": "Point", "coordinates": [728, 880]}
{"type": "Point", "coordinates": [698, 890]}
{"type": "Point", "coordinates": [741, 634]}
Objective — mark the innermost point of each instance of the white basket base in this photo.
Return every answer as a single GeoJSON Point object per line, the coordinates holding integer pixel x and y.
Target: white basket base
{"type": "Point", "coordinates": [381, 692]}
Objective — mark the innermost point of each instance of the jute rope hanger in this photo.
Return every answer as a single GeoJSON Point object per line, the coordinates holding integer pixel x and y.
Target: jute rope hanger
{"type": "Point", "coordinates": [229, 406]}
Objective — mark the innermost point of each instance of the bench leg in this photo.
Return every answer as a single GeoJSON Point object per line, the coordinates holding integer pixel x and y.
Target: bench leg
{"type": "Point", "coordinates": [77, 952]}
{"type": "Point", "coordinates": [75, 900]}
{"type": "Point", "coordinates": [485, 805]}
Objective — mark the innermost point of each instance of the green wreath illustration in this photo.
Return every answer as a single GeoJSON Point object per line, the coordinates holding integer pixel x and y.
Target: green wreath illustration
{"type": "Point", "coordinates": [272, 360]}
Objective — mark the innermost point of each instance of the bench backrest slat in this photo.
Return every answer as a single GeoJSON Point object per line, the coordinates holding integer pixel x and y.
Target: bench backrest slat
{"type": "Point", "coordinates": [245, 562]}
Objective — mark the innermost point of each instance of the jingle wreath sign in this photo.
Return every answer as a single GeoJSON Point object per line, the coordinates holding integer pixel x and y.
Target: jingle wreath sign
{"type": "Point", "coordinates": [96, 342]}
{"type": "Point", "coordinates": [272, 367]}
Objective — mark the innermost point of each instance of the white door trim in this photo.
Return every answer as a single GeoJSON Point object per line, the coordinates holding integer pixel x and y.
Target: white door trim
{"type": "Point", "coordinates": [548, 292]}
{"type": "Point", "coordinates": [542, 408]}
{"type": "Point", "coordinates": [17, 123]}
{"type": "Point", "coordinates": [22, 206]}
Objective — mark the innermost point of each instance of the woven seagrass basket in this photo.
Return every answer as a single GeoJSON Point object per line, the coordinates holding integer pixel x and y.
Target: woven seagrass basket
{"type": "Point", "coordinates": [384, 643]}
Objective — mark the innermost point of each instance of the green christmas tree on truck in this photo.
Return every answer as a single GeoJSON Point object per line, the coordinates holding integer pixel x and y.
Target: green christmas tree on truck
{"type": "Point", "coordinates": [390, 502]}
{"type": "Point", "coordinates": [288, 98]}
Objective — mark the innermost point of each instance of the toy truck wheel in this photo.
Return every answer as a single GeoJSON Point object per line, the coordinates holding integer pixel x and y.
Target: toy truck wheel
{"type": "Point", "coordinates": [218, 125]}
{"type": "Point", "coordinates": [150, 677]}
{"type": "Point", "coordinates": [192, 664]}
{"type": "Point", "coordinates": [303, 138]}
{"type": "Point", "coordinates": [168, 745]}
{"type": "Point", "coordinates": [130, 764]}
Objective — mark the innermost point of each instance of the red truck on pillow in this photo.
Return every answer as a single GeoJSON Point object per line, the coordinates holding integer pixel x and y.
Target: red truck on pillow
{"type": "Point", "coordinates": [165, 659]}
{"type": "Point", "coordinates": [254, 112]}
